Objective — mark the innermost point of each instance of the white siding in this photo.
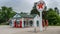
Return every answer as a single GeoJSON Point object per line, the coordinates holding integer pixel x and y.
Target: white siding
{"type": "Point", "coordinates": [35, 21]}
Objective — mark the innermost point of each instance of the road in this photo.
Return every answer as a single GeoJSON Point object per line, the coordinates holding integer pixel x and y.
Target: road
{"type": "Point", "coordinates": [6, 29]}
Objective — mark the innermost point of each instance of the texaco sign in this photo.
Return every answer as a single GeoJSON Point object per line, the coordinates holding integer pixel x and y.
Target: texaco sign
{"type": "Point", "coordinates": [40, 5]}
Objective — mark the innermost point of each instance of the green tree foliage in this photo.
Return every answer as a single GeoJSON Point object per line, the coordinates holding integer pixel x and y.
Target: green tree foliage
{"type": "Point", "coordinates": [34, 10]}
{"type": "Point", "coordinates": [44, 13]}
{"type": "Point", "coordinates": [6, 13]}
{"type": "Point", "coordinates": [52, 17]}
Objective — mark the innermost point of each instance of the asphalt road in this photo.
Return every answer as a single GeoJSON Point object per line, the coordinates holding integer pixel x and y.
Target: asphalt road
{"type": "Point", "coordinates": [6, 29]}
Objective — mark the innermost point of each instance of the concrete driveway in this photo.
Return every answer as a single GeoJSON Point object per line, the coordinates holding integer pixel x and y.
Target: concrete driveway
{"type": "Point", "coordinates": [6, 29]}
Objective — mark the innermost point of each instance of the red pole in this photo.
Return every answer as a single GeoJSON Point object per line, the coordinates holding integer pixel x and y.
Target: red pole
{"type": "Point", "coordinates": [43, 22]}
{"type": "Point", "coordinates": [46, 23]}
{"type": "Point", "coordinates": [20, 24]}
{"type": "Point", "coordinates": [15, 23]}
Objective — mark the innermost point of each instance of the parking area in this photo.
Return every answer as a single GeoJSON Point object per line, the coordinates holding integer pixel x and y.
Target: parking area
{"type": "Point", "coordinates": [6, 29]}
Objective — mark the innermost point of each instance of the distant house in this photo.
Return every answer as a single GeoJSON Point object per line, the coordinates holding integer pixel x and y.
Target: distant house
{"type": "Point", "coordinates": [25, 20]}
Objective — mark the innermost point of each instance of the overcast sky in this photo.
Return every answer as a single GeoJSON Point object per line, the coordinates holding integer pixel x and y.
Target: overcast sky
{"type": "Point", "coordinates": [26, 5]}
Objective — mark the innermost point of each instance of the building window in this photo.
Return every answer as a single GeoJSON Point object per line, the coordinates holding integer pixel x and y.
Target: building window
{"type": "Point", "coordinates": [37, 23]}
{"type": "Point", "coordinates": [10, 22]}
{"type": "Point", "coordinates": [31, 23]}
{"type": "Point", "coordinates": [24, 23]}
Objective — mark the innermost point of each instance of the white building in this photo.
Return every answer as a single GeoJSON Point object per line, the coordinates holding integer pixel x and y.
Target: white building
{"type": "Point", "coordinates": [25, 20]}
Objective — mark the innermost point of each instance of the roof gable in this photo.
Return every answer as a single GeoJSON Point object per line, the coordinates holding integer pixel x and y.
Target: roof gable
{"type": "Point", "coordinates": [16, 16]}
{"type": "Point", "coordinates": [24, 15]}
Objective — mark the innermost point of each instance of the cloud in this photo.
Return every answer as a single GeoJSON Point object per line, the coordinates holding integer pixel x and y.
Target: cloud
{"type": "Point", "coordinates": [18, 5]}
{"type": "Point", "coordinates": [26, 5]}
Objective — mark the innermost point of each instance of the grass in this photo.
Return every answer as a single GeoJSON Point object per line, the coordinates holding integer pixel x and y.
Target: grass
{"type": "Point", "coordinates": [4, 24]}
{"type": "Point", "coordinates": [55, 25]}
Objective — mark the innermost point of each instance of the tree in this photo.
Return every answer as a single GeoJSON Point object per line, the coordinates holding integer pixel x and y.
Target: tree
{"type": "Point", "coordinates": [6, 13]}
{"type": "Point", "coordinates": [56, 10]}
{"type": "Point", "coordinates": [52, 17]}
{"type": "Point", "coordinates": [44, 13]}
{"type": "Point", "coordinates": [34, 10]}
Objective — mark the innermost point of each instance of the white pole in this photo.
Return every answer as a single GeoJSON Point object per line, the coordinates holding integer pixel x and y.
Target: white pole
{"type": "Point", "coordinates": [40, 21]}
{"type": "Point", "coordinates": [12, 23]}
{"type": "Point", "coordinates": [22, 22]}
{"type": "Point", "coordinates": [34, 25]}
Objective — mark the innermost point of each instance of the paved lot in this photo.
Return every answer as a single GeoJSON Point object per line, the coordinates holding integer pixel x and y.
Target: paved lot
{"type": "Point", "coordinates": [4, 29]}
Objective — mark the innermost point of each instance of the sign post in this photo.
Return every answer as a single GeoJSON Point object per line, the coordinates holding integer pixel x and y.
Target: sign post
{"type": "Point", "coordinates": [40, 6]}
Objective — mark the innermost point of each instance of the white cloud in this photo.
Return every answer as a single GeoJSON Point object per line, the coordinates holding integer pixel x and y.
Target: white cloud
{"type": "Point", "coordinates": [26, 5]}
